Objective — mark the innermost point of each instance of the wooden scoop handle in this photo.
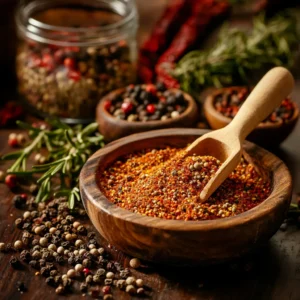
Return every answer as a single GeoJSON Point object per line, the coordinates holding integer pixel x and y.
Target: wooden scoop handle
{"type": "Point", "coordinates": [265, 97]}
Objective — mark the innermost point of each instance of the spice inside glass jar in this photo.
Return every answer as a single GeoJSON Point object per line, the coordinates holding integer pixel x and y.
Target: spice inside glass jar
{"type": "Point", "coordinates": [71, 53]}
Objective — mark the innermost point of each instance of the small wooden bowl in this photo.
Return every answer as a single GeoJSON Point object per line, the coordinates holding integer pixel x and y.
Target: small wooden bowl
{"type": "Point", "coordinates": [112, 128]}
{"type": "Point", "coordinates": [183, 242]}
{"type": "Point", "coordinates": [266, 134]}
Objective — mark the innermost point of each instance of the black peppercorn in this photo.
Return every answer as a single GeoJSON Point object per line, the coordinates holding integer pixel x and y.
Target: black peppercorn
{"type": "Point", "coordinates": [35, 242]}
{"type": "Point", "coordinates": [57, 279]}
{"type": "Point", "coordinates": [48, 236]}
{"type": "Point", "coordinates": [66, 282]}
{"type": "Point", "coordinates": [42, 262]}
{"type": "Point", "coordinates": [50, 281]}
{"type": "Point", "coordinates": [59, 259]}
{"type": "Point", "coordinates": [91, 235]}
{"type": "Point", "coordinates": [14, 262]}
{"type": "Point", "coordinates": [64, 222]}
{"type": "Point", "coordinates": [19, 201]}
{"type": "Point", "coordinates": [83, 287]}
{"type": "Point", "coordinates": [25, 256]}
{"type": "Point", "coordinates": [81, 230]}
{"type": "Point", "coordinates": [34, 264]}
{"type": "Point", "coordinates": [65, 244]}
{"type": "Point", "coordinates": [45, 271]}
{"type": "Point", "coordinates": [71, 261]}
{"type": "Point", "coordinates": [51, 266]}
{"type": "Point", "coordinates": [70, 219]}
{"type": "Point", "coordinates": [26, 226]}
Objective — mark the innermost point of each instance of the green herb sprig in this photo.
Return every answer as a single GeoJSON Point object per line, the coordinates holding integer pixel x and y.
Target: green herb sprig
{"type": "Point", "coordinates": [270, 43]}
{"type": "Point", "coordinates": [68, 149]}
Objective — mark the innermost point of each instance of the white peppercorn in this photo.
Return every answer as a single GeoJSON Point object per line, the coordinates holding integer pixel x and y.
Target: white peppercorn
{"type": "Point", "coordinates": [60, 250]}
{"type": "Point", "coordinates": [139, 283]}
{"type": "Point", "coordinates": [18, 244]}
{"type": "Point", "coordinates": [52, 247]}
{"type": "Point", "coordinates": [52, 230]}
{"type": "Point", "coordinates": [130, 280]}
{"type": "Point", "coordinates": [2, 176]}
{"type": "Point", "coordinates": [79, 268]}
{"type": "Point", "coordinates": [26, 215]}
{"type": "Point", "coordinates": [135, 263]}
{"type": "Point", "coordinates": [76, 224]}
{"type": "Point", "coordinates": [130, 289]}
{"type": "Point", "coordinates": [71, 273]}
{"type": "Point", "coordinates": [110, 275]}
{"type": "Point", "coordinates": [78, 243]}
{"type": "Point", "coordinates": [82, 251]}
{"type": "Point", "coordinates": [94, 252]}
{"type": "Point", "coordinates": [43, 241]}
{"type": "Point", "coordinates": [68, 237]}
{"type": "Point", "coordinates": [65, 276]}
{"type": "Point", "coordinates": [101, 251]}
{"type": "Point", "coordinates": [92, 246]}
{"type": "Point", "coordinates": [38, 230]}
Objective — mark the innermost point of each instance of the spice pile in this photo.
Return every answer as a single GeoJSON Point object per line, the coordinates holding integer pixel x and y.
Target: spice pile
{"type": "Point", "coordinates": [230, 100]}
{"type": "Point", "coordinates": [146, 102]}
{"type": "Point", "coordinates": [53, 237]}
{"type": "Point", "coordinates": [167, 184]}
{"type": "Point", "coordinates": [69, 81]}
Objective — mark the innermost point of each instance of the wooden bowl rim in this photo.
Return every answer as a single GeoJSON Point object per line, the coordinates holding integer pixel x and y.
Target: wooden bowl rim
{"type": "Point", "coordinates": [209, 108]}
{"type": "Point", "coordinates": [140, 124]}
{"type": "Point", "coordinates": [251, 215]}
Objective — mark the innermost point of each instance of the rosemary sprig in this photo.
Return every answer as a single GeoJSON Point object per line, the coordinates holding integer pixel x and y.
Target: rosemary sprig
{"type": "Point", "coordinates": [270, 43]}
{"type": "Point", "coordinates": [68, 149]}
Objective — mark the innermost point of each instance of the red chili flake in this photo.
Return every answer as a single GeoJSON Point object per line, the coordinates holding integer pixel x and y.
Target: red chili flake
{"type": "Point", "coordinates": [126, 107]}
{"type": "Point", "coordinates": [74, 75]}
{"type": "Point", "coordinates": [11, 181]}
{"type": "Point", "coordinates": [69, 63]}
{"type": "Point", "coordinates": [151, 109]}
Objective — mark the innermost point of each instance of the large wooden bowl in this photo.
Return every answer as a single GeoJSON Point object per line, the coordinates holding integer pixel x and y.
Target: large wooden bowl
{"type": "Point", "coordinates": [112, 128]}
{"type": "Point", "coordinates": [266, 134]}
{"type": "Point", "coordinates": [183, 242]}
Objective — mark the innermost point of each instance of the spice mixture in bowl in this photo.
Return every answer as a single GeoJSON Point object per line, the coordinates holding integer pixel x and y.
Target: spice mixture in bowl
{"type": "Point", "coordinates": [71, 53]}
{"type": "Point", "coordinates": [146, 102]}
{"type": "Point", "coordinates": [145, 201]}
{"type": "Point", "coordinates": [166, 183]}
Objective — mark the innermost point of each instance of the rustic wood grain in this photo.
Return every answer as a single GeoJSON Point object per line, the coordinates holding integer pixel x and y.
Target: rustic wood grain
{"type": "Point", "coordinates": [272, 273]}
{"type": "Point", "coordinates": [113, 128]}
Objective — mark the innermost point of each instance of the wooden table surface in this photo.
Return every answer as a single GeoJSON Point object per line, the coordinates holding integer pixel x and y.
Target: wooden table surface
{"type": "Point", "coordinates": [272, 273]}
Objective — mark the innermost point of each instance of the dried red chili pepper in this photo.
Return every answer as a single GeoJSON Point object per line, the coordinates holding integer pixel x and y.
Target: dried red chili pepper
{"type": "Point", "coordinates": [165, 29]}
{"type": "Point", "coordinates": [204, 13]}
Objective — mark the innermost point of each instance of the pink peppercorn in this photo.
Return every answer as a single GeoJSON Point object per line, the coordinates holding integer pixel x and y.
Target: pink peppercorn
{"type": "Point", "coordinates": [151, 108]}
{"type": "Point", "coordinates": [126, 107]}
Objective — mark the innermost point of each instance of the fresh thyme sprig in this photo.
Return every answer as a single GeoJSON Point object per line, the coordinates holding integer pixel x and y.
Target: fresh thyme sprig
{"type": "Point", "coordinates": [270, 43]}
{"type": "Point", "coordinates": [68, 149]}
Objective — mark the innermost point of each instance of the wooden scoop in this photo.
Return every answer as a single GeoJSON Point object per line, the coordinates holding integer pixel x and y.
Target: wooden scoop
{"type": "Point", "coordinates": [226, 144]}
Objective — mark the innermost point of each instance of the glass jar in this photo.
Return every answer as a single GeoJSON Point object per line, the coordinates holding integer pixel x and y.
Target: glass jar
{"type": "Point", "coordinates": [72, 52]}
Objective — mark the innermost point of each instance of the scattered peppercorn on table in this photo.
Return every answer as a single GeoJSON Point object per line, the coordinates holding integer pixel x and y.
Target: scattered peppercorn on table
{"type": "Point", "coordinates": [272, 273]}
